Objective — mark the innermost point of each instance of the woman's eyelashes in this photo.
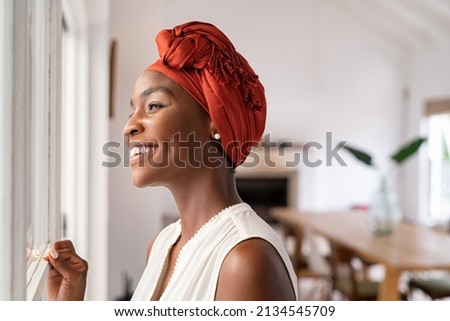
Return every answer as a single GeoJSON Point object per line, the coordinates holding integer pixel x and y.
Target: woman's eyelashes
{"type": "Point", "coordinates": [154, 106]}
{"type": "Point", "coordinates": [149, 108]}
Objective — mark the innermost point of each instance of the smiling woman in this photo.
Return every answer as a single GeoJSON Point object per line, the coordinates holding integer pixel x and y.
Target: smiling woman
{"type": "Point", "coordinates": [173, 106]}
{"type": "Point", "coordinates": [195, 114]}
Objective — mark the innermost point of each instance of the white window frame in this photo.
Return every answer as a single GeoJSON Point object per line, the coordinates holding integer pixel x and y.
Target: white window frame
{"type": "Point", "coordinates": [89, 191]}
{"type": "Point", "coordinates": [30, 135]}
{"type": "Point", "coordinates": [7, 279]}
{"type": "Point", "coordinates": [46, 61]}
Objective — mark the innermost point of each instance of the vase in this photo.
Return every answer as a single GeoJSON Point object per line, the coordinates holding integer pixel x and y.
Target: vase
{"type": "Point", "coordinates": [384, 213]}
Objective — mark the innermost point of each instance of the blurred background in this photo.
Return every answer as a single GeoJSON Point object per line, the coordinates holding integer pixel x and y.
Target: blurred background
{"type": "Point", "coordinates": [362, 70]}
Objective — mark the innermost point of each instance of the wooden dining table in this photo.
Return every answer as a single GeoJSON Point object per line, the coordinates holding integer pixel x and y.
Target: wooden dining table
{"type": "Point", "coordinates": [408, 248]}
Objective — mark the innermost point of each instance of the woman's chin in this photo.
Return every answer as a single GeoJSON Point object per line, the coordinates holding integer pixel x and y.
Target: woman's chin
{"type": "Point", "coordinates": [140, 180]}
{"type": "Point", "coordinates": [139, 184]}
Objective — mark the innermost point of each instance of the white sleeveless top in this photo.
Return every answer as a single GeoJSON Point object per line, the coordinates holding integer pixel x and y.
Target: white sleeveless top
{"type": "Point", "coordinates": [197, 267]}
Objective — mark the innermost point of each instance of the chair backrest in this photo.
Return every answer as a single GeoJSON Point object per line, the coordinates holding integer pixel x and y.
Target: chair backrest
{"type": "Point", "coordinates": [296, 255]}
{"type": "Point", "coordinates": [341, 261]}
{"type": "Point", "coordinates": [342, 269]}
{"type": "Point", "coordinates": [317, 262]}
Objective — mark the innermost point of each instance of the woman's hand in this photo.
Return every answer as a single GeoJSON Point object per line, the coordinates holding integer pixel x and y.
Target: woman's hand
{"type": "Point", "coordinates": [67, 277]}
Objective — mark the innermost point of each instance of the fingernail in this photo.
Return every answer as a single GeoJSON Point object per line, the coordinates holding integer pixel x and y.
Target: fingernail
{"type": "Point", "coordinates": [53, 253]}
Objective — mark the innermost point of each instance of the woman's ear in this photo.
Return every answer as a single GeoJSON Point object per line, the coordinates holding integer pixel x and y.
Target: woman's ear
{"type": "Point", "coordinates": [214, 133]}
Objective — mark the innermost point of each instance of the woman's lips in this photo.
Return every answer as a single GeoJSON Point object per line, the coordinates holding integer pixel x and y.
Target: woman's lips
{"type": "Point", "coordinates": [139, 153]}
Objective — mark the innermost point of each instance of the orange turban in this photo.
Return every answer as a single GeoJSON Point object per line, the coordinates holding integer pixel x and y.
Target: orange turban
{"type": "Point", "coordinates": [203, 61]}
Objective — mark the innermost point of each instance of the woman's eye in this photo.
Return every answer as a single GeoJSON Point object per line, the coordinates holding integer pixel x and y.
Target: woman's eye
{"type": "Point", "coordinates": [154, 106]}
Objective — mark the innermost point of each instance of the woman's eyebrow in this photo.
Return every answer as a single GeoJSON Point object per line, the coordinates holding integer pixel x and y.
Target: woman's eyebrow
{"type": "Point", "coordinates": [151, 90]}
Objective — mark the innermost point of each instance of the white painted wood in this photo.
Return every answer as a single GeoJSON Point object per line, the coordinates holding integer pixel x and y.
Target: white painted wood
{"type": "Point", "coordinates": [45, 34]}
{"type": "Point", "coordinates": [37, 274]}
{"type": "Point", "coordinates": [6, 36]}
{"type": "Point", "coordinates": [28, 160]}
{"type": "Point", "coordinates": [54, 102]}
{"type": "Point", "coordinates": [19, 157]}
{"type": "Point", "coordinates": [38, 221]}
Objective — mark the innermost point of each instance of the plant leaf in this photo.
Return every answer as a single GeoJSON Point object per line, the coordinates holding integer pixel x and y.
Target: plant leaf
{"type": "Point", "coordinates": [358, 154]}
{"type": "Point", "coordinates": [407, 150]}
{"type": "Point", "coordinates": [446, 148]}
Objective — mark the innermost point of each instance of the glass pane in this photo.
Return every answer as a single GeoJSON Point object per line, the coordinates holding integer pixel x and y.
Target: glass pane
{"type": "Point", "coordinates": [38, 218]}
{"type": "Point", "coordinates": [439, 157]}
{"type": "Point", "coordinates": [68, 138]}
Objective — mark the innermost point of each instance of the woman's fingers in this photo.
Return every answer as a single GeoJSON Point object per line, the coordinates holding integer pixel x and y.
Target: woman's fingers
{"type": "Point", "coordinates": [64, 244]}
{"type": "Point", "coordinates": [67, 279]}
{"type": "Point", "coordinates": [69, 264]}
{"type": "Point", "coordinates": [63, 256]}
{"type": "Point", "coordinates": [58, 247]}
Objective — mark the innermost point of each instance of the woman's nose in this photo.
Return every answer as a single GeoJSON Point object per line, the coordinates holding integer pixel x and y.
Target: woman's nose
{"type": "Point", "coordinates": [133, 126]}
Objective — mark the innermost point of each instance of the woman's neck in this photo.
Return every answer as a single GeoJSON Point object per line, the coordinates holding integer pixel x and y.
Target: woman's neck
{"type": "Point", "coordinates": [201, 198]}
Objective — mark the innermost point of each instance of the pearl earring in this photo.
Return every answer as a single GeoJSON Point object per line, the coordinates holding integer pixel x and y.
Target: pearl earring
{"type": "Point", "coordinates": [216, 136]}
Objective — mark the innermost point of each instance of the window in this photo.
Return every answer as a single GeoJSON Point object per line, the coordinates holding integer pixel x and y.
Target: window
{"type": "Point", "coordinates": [30, 137]}
{"type": "Point", "coordinates": [32, 188]}
{"type": "Point", "coordinates": [439, 161]}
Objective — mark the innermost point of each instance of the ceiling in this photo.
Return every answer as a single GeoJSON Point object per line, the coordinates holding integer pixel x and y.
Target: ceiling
{"type": "Point", "coordinates": [418, 23]}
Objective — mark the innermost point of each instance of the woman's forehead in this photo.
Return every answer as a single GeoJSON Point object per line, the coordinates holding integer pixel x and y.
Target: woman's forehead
{"type": "Point", "coordinates": [151, 78]}
{"type": "Point", "coordinates": [151, 81]}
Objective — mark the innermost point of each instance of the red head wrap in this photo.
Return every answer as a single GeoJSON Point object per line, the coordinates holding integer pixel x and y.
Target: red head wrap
{"type": "Point", "coordinates": [202, 60]}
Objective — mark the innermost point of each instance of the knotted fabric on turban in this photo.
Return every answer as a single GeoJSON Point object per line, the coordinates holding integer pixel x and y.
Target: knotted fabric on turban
{"type": "Point", "coordinates": [203, 61]}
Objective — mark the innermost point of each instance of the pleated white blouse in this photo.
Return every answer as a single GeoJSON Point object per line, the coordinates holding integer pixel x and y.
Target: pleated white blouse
{"type": "Point", "coordinates": [198, 264]}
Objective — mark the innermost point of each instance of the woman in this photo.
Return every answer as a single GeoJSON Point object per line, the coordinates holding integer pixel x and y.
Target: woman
{"type": "Point", "coordinates": [195, 114]}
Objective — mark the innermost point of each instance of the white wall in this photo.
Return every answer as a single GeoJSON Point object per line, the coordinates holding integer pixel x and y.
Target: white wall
{"type": "Point", "coordinates": [134, 213]}
{"type": "Point", "coordinates": [324, 70]}
{"type": "Point", "coordinates": [98, 22]}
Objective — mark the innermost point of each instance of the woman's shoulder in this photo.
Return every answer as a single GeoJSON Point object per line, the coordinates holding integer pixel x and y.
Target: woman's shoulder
{"type": "Point", "coordinates": [254, 270]}
{"type": "Point", "coordinates": [254, 267]}
{"type": "Point", "coordinates": [251, 253]}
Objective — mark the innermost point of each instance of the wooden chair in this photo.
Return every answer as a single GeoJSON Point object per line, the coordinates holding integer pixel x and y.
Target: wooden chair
{"type": "Point", "coordinates": [352, 284]}
{"type": "Point", "coordinates": [435, 287]}
{"type": "Point", "coordinates": [299, 260]}
{"type": "Point", "coordinates": [307, 265]}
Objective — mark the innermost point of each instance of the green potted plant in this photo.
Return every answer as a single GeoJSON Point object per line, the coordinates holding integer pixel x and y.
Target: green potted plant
{"type": "Point", "coordinates": [384, 212]}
